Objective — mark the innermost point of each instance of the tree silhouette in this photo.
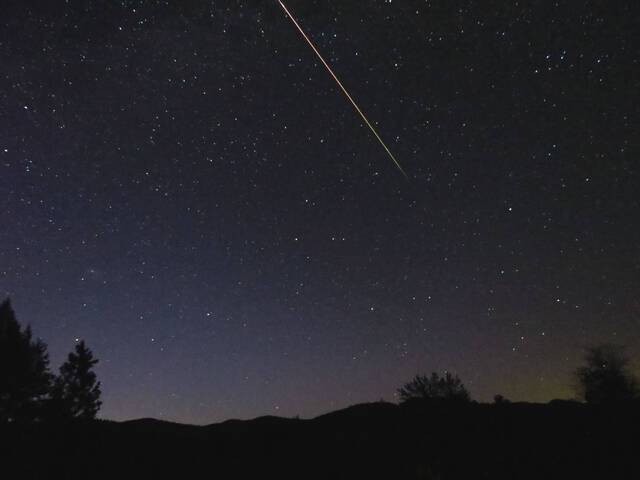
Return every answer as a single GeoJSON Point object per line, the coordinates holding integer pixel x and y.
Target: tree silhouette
{"type": "Point", "coordinates": [606, 377]}
{"type": "Point", "coordinates": [76, 391]}
{"type": "Point", "coordinates": [25, 380]}
{"type": "Point", "coordinates": [447, 387]}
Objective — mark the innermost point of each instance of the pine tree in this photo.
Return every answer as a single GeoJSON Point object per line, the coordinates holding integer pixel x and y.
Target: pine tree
{"type": "Point", "coordinates": [25, 380]}
{"type": "Point", "coordinates": [76, 390]}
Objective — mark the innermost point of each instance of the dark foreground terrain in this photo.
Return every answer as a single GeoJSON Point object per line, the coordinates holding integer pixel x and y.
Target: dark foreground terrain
{"type": "Point", "coordinates": [561, 440]}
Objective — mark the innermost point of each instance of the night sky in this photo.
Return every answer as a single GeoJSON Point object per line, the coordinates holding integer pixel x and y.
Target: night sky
{"type": "Point", "coordinates": [184, 186]}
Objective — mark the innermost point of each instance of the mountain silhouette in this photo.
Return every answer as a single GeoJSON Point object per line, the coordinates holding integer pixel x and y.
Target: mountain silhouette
{"type": "Point", "coordinates": [416, 440]}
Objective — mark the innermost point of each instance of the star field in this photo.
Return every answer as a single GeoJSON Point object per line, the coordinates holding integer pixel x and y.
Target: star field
{"type": "Point", "coordinates": [183, 186]}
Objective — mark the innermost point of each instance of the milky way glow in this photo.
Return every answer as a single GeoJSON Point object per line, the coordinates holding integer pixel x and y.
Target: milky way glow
{"type": "Point", "coordinates": [344, 90]}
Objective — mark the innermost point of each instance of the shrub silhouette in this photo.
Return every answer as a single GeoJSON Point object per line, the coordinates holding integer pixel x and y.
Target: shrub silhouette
{"type": "Point", "coordinates": [25, 380]}
{"type": "Point", "coordinates": [606, 377]}
{"type": "Point", "coordinates": [76, 391]}
{"type": "Point", "coordinates": [447, 387]}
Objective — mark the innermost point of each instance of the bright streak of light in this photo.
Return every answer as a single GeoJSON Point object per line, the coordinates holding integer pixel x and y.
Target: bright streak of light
{"type": "Point", "coordinates": [344, 90]}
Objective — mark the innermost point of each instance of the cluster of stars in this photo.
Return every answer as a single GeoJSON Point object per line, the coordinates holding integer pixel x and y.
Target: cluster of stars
{"type": "Point", "coordinates": [183, 187]}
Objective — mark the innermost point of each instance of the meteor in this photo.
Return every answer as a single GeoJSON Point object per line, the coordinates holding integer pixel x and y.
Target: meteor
{"type": "Point", "coordinates": [344, 90]}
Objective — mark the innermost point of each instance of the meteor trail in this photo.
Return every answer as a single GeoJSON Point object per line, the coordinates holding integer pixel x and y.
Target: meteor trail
{"type": "Point", "coordinates": [344, 90]}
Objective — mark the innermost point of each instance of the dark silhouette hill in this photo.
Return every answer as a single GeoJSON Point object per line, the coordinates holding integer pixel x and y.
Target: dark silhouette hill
{"type": "Point", "coordinates": [415, 440]}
